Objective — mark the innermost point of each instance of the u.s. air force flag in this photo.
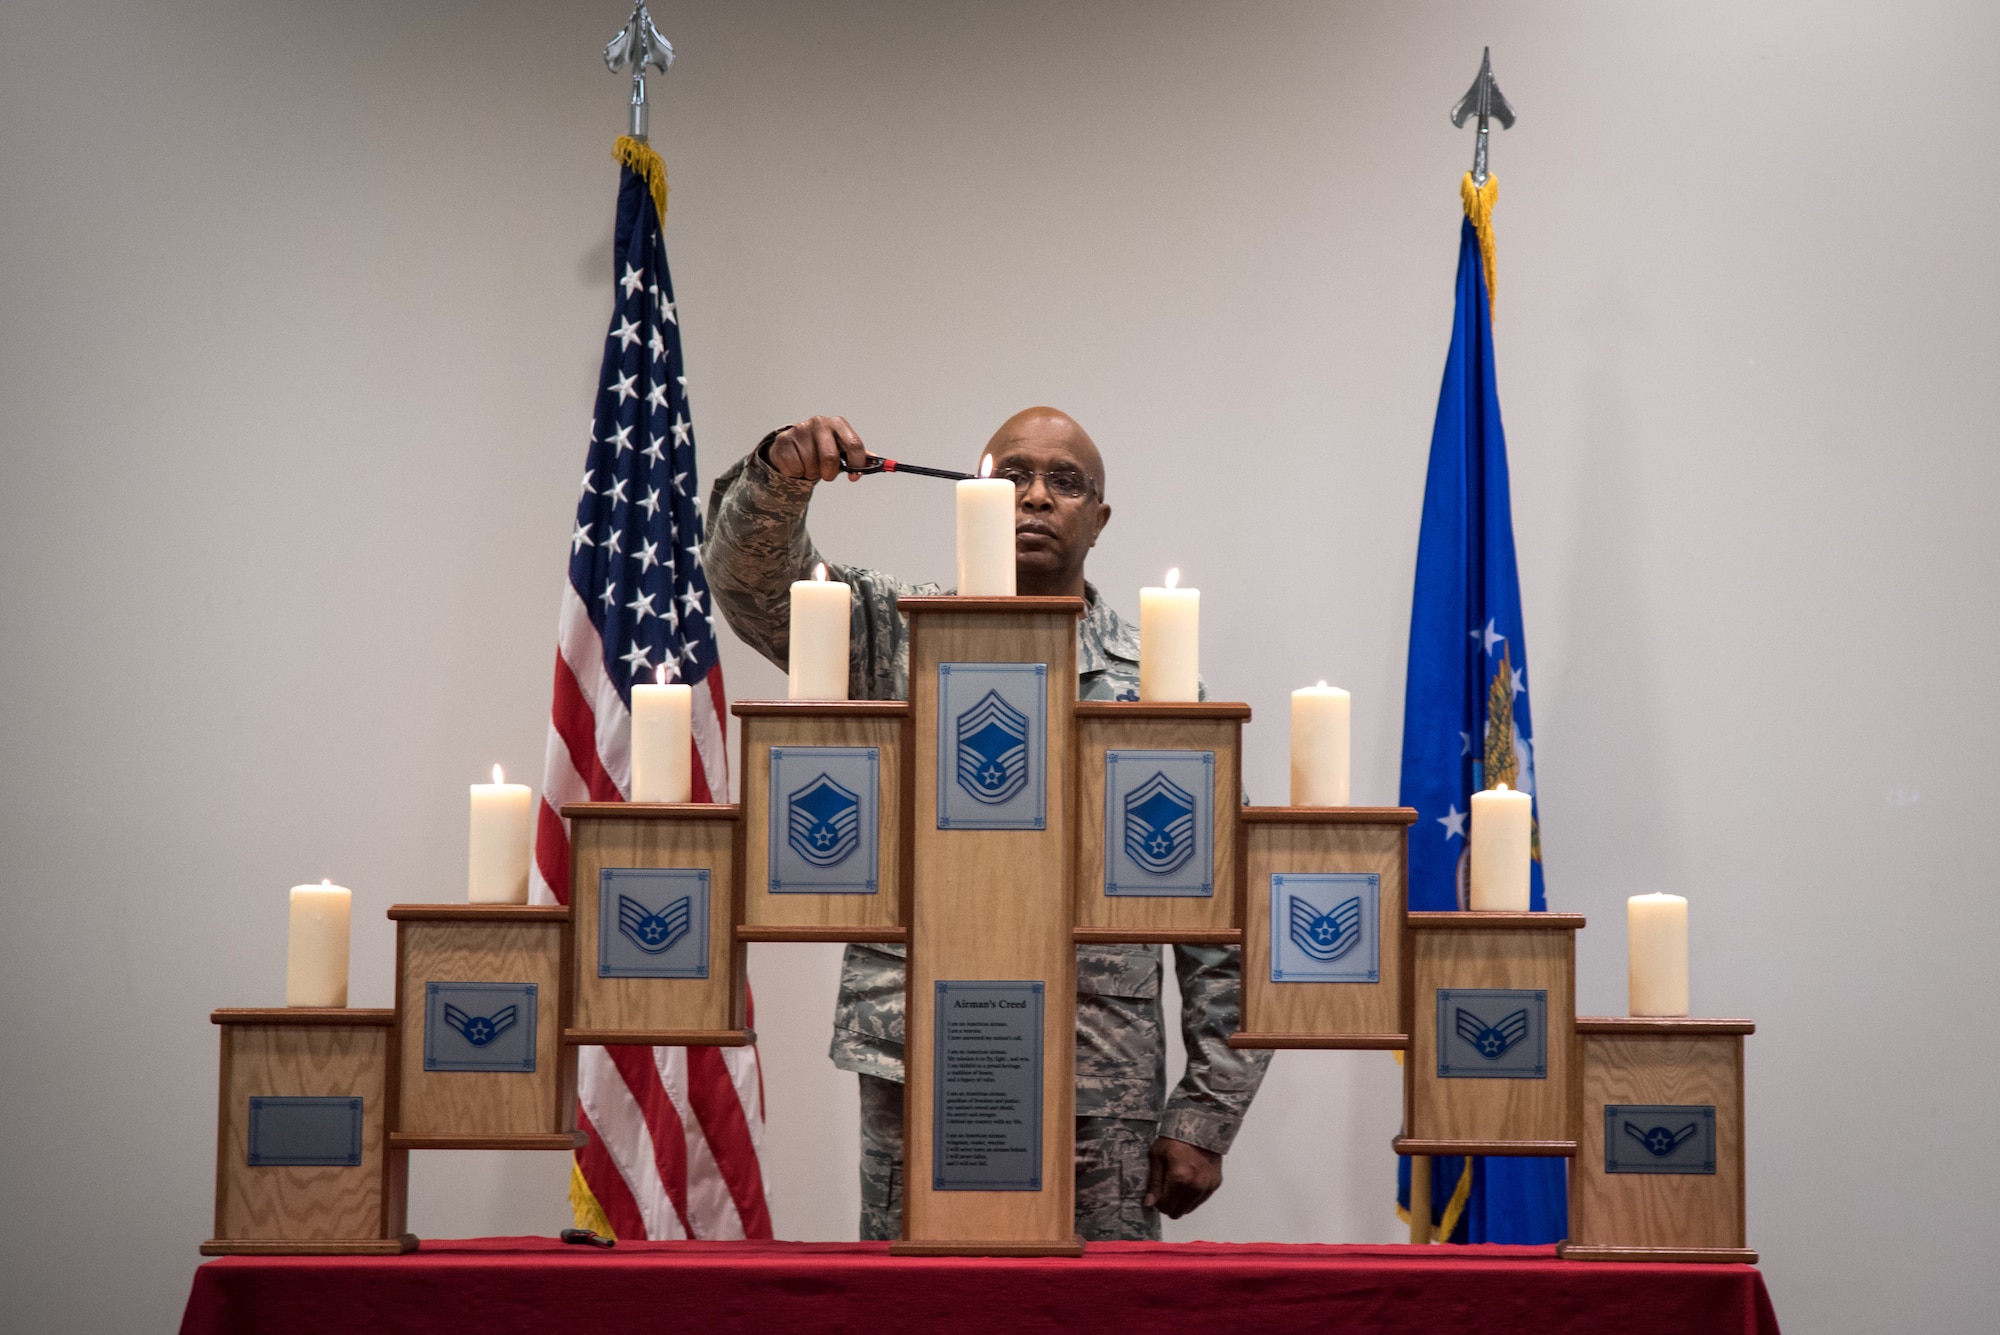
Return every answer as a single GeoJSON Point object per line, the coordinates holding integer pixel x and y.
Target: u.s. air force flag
{"type": "Point", "coordinates": [1466, 723]}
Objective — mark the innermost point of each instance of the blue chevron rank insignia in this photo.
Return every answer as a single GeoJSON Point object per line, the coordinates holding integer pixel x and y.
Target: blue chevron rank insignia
{"type": "Point", "coordinates": [992, 746]}
{"type": "Point", "coordinates": [1659, 1138]}
{"type": "Point", "coordinates": [824, 823]}
{"type": "Point", "coordinates": [1325, 936]}
{"type": "Point", "coordinates": [1326, 927]}
{"type": "Point", "coordinates": [652, 922]}
{"type": "Point", "coordinates": [821, 820]}
{"type": "Point", "coordinates": [652, 932]}
{"type": "Point", "coordinates": [992, 750]}
{"type": "Point", "coordinates": [1493, 1033]}
{"type": "Point", "coordinates": [479, 1030]}
{"type": "Point", "coordinates": [1159, 823]}
{"type": "Point", "coordinates": [479, 1026]}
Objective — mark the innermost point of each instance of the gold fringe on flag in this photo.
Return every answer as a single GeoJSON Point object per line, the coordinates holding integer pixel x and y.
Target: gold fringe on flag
{"type": "Point", "coordinates": [640, 157]}
{"type": "Point", "coordinates": [1479, 208]}
{"type": "Point", "coordinates": [583, 1203]}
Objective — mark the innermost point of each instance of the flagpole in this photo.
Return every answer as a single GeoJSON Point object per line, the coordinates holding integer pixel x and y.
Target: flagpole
{"type": "Point", "coordinates": [1420, 1198]}
{"type": "Point", "coordinates": [639, 44]}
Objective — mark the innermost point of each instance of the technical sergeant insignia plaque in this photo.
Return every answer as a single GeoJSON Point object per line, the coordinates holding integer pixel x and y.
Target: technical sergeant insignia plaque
{"type": "Point", "coordinates": [652, 922]}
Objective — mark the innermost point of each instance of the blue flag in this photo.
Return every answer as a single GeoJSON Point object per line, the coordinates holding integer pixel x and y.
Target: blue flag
{"type": "Point", "coordinates": [1466, 722]}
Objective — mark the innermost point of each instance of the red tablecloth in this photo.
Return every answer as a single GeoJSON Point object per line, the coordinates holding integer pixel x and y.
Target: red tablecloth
{"type": "Point", "coordinates": [496, 1286]}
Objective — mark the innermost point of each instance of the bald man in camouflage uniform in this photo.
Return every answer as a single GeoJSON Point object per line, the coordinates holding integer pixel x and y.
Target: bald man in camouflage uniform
{"type": "Point", "coordinates": [1138, 1152]}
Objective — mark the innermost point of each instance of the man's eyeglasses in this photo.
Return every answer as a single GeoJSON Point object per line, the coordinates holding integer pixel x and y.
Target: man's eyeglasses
{"type": "Point", "coordinates": [1067, 483]}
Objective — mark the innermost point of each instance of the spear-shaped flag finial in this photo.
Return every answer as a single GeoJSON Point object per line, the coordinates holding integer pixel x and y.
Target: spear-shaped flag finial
{"type": "Point", "coordinates": [1484, 99]}
{"type": "Point", "coordinates": [639, 44]}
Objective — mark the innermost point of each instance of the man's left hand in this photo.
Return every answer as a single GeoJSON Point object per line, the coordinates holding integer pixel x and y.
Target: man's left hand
{"type": "Point", "coordinates": [1181, 1176]}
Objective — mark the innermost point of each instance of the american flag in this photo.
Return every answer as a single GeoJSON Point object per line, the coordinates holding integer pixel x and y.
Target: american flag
{"type": "Point", "coordinates": [675, 1134]}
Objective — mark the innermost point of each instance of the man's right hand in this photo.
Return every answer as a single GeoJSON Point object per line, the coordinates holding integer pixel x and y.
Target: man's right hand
{"type": "Point", "coordinates": [818, 449]}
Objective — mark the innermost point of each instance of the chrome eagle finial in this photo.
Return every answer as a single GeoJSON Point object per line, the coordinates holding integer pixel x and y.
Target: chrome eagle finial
{"type": "Point", "coordinates": [639, 44]}
{"type": "Point", "coordinates": [1483, 99]}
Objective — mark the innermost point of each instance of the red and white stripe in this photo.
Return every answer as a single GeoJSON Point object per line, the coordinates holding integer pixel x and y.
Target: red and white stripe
{"type": "Point", "coordinates": [676, 1134]}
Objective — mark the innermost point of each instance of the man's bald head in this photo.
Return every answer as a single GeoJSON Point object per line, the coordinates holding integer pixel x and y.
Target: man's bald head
{"type": "Point", "coordinates": [1049, 429]}
{"type": "Point", "coordinates": [1059, 504]}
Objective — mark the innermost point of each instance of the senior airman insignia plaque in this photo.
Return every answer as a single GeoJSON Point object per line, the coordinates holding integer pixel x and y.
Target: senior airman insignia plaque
{"type": "Point", "coordinates": [304, 1132]}
{"type": "Point", "coordinates": [992, 746]}
{"type": "Point", "coordinates": [652, 922]}
{"type": "Point", "coordinates": [986, 1104]}
{"type": "Point", "coordinates": [479, 1026]}
{"type": "Point", "coordinates": [1326, 927]}
{"type": "Point", "coordinates": [1659, 1138]}
{"type": "Point", "coordinates": [1493, 1033]}
{"type": "Point", "coordinates": [823, 827]}
{"type": "Point", "coordinates": [1159, 821]}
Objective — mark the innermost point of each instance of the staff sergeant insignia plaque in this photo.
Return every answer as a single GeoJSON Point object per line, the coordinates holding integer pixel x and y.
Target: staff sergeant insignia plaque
{"type": "Point", "coordinates": [986, 1104]}
{"type": "Point", "coordinates": [1326, 927]}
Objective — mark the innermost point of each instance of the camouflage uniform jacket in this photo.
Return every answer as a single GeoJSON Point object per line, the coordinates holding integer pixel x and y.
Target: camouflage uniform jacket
{"type": "Point", "coordinates": [756, 546]}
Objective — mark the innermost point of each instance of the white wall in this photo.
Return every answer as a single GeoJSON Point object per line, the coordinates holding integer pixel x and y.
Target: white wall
{"type": "Point", "coordinates": [300, 309]}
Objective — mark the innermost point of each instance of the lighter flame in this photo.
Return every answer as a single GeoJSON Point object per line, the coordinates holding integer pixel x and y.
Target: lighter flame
{"type": "Point", "coordinates": [986, 466]}
{"type": "Point", "coordinates": [497, 776]}
{"type": "Point", "coordinates": [819, 572]}
{"type": "Point", "coordinates": [1174, 578]}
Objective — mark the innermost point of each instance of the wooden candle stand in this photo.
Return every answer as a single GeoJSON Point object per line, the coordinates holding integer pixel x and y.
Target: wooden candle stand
{"type": "Point", "coordinates": [826, 819]}
{"type": "Point", "coordinates": [989, 1095]}
{"type": "Point", "coordinates": [653, 908]}
{"type": "Point", "coordinates": [1329, 970]}
{"type": "Point", "coordinates": [482, 995]}
{"type": "Point", "coordinates": [1491, 1067]}
{"type": "Point", "coordinates": [302, 1163]}
{"type": "Point", "coordinates": [1157, 854]}
{"type": "Point", "coordinates": [1659, 1173]}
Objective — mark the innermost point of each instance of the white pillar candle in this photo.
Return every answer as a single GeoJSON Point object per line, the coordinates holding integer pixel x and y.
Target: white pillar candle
{"type": "Point", "coordinates": [316, 949]}
{"type": "Point", "coordinates": [985, 535]}
{"type": "Point", "coordinates": [497, 865]}
{"type": "Point", "coordinates": [818, 656]}
{"type": "Point", "coordinates": [1657, 944]}
{"type": "Point", "coordinates": [1502, 826]}
{"type": "Point", "coordinates": [662, 753]}
{"type": "Point", "coordinates": [1319, 746]}
{"type": "Point", "coordinates": [1170, 642]}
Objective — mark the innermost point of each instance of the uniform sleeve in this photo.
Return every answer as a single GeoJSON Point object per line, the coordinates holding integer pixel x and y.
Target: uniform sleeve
{"type": "Point", "coordinates": [1207, 1106]}
{"type": "Point", "coordinates": [757, 545]}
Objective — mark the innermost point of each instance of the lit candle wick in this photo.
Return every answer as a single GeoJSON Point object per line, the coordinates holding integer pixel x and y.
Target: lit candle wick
{"type": "Point", "coordinates": [660, 675]}
{"type": "Point", "coordinates": [497, 778]}
{"type": "Point", "coordinates": [1499, 787]}
{"type": "Point", "coordinates": [819, 572]}
{"type": "Point", "coordinates": [1322, 685]}
{"type": "Point", "coordinates": [986, 466]}
{"type": "Point", "coordinates": [1174, 578]}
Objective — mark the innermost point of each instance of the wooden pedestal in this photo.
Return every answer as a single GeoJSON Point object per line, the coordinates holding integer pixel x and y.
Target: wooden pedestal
{"type": "Point", "coordinates": [1119, 899]}
{"type": "Point", "coordinates": [1659, 1172]}
{"type": "Point", "coordinates": [835, 902]}
{"type": "Point", "coordinates": [302, 1163]}
{"type": "Point", "coordinates": [1326, 857]}
{"type": "Point", "coordinates": [992, 905]}
{"type": "Point", "coordinates": [1474, 1082]}
{"type": "Point", "coordinates": [669, 971]}
{"type": "Point", "coordinates": [451, 1097]}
